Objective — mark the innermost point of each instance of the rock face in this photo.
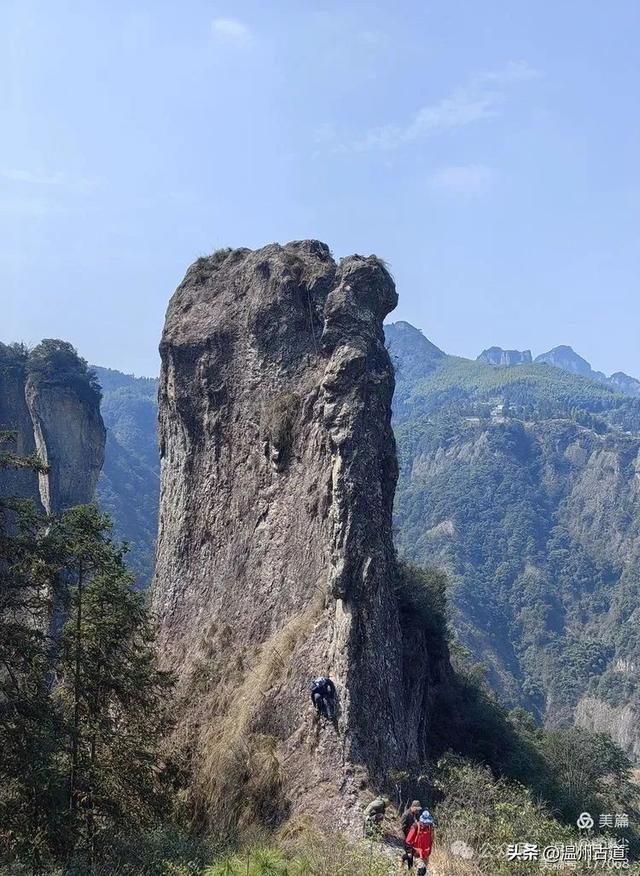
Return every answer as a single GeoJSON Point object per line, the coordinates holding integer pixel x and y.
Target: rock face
{"type": "Point", "coordinates": [622, 382]}
{"type": "Point", "coordinates": [566, 358]}
{"type": "Point", "coordinates": [498, 356]}
{"type": "Point", "coordinates": [619, 722]}
{"type": "Point", "coordinates": [275, 560]}
{"type": "Point", "coordinates": [56, 422]}
{"type": "Point", "coordinates": [15, 418]}
{"type": "Point", "coordinates": [70, 438]}
{"type": "Point", "coordinates": [409, 344]}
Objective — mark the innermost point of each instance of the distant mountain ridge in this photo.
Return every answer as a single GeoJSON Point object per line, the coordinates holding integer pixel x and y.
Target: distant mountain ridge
{"type": "Point", "coordinates": [565, 358]}
{"type": "Point", "coordinates": [519, 479]}
{"type": "Point", "coordinates": [129, 484]}
{"type": "Point", "coordinates": [523, 483]}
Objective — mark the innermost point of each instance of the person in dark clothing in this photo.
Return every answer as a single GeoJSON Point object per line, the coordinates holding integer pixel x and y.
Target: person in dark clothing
{"type": "Point", "coordinates": [323, 695]}
{"type": "Point", "coordinates": [410, 816]}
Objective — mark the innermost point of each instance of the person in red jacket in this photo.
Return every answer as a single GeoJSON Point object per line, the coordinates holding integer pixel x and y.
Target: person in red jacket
{"type": "Point", "coordinates": [419, 842]}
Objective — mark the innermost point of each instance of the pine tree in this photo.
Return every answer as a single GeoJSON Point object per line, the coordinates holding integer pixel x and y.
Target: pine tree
{"type": "Point", "coordinates": [111, 690]}
{"type": "Point", "coordinates": [31, 826]}
{"type": "Point", "coordinates": [81, 700]}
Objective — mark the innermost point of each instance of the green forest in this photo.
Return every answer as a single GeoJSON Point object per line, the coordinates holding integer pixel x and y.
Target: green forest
{"type": "Point", "coordinates": [520, 482]}
{"type": "Point", "coordinates": [89, 783]}
{"type": "Point", "coordinates": [91, 780]}
{"type": "Point", "coordinates": [129, 484]}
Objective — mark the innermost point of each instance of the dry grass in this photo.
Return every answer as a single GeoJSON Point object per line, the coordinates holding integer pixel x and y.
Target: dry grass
{"type": "Point", "coordinates": [310, 851]}
{"type": "Point", "coordinates": [237, 770]}
{"type": "Point", "coordinates": [443, 863]}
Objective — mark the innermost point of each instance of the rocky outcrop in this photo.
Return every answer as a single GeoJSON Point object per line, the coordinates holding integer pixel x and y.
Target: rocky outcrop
{"type": "Point", "coordinates": [498, 356]}
{"type": "Point", "coordinates": [566, 358]}
{"type": "Point", "coordinates": [275, 560]}
{"type": "Point", "coordinates": [619, 722]}
{"type": "Point", "coordinates": [16, 419]}
{"type": "Point", "coordinates": [61, 425]}
{"type": "Point", "coordinates": [70, 438]}
{"type": "Point", "coordinates": [621, 382]}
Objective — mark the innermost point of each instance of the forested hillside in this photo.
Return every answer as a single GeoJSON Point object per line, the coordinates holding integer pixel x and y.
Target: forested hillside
{"type": "Point", "coordinates": [522, 482]}
{"type": "Point", "coordinates": [128, 489]}
{"type": "Point", "coordinates": [533, 514]}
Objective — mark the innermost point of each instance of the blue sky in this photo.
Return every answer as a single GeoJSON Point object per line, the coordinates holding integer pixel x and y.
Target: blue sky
{"type": "Point", "coordinates": [488, 151]}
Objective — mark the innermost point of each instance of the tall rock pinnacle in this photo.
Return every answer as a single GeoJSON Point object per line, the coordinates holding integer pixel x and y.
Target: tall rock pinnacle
{"type": "Point", "coordinates": [53, 412]}
{"type": "Point", "coordinates": [275, 558]}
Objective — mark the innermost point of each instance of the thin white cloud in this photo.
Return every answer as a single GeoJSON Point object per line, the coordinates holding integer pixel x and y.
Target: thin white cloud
{"type": "Point", "coordinates": [468, 180]}
{"type": "Point", "coordinates": [232, 30]}
{"type": "Point", "coordinates": [514, 71]}
{"type": "Point", "coordinates": [374, 39]}
{"type": "Point", "coordinates": [325, 132]}
{"type": "Point", "coordinates": [27, 176]}
{"type": "Point", "coordinates": [27, 207]}
{"type": "Point", "coordinates": [38, 179]}
{"type": "Point", "coordinates": [479, 99]}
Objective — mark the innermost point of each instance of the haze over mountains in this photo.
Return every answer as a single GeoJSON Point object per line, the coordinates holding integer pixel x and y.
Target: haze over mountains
{"type": "Point", "coordinates": [567, 359]}
{"type": "Point", "coordinates": [511, 550]}
{"type": "Point", "coordinates": [520, 477]}
{"type": "Point", "coordinates": [129, 485]}
{"type": "Point", "coordinates": [523, 482]}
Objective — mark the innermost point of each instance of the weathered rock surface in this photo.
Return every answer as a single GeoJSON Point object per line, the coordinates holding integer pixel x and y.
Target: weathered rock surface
{"type": "Point", "coordinates": [65, 430]}
{"type": "Point", "coordinates": [619, 722]}
{"type": "Point", "coordinates": [566, 358]}
{"type": "Point", "coordinates": [275, 558]}
{"type": "Point", "coordinates": [70, 438]}
{"type": "Point", "coordinates": [498, 356]}
{"type": "Point", "coordinates": [15, 418]}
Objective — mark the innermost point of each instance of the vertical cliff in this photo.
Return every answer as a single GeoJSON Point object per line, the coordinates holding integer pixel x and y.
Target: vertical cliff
{"type": "Point", "coordinates": [50, 403]}
{"type": "Point", "coordinates": [275, 558]}
{"type": "Point", "coordinates": [69, 437]}
{"type": "Point", "coordinates": [16, 419]}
